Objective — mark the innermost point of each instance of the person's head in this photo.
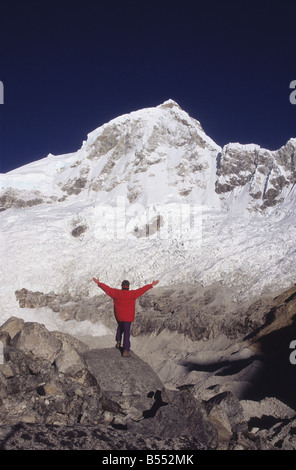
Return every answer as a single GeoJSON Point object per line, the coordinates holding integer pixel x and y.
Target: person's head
{"type": "Point", "coordinates": [125, 285]}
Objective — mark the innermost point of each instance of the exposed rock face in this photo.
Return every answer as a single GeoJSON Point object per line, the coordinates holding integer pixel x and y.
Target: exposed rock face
{"type": "Point", "coordinates": [184, 309]}
{"type": "Point", "coordinates": [68, 306]}
{"type": "Point", "coordinates": [17, 199]}
{"type": "Point", "coordinates": [267, 174]}
{"type": "Point", "coordinates": [196, 311]}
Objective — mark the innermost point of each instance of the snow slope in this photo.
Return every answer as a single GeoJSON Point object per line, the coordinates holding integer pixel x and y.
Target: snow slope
{"type": "Point", "coordinates": [148, 195]}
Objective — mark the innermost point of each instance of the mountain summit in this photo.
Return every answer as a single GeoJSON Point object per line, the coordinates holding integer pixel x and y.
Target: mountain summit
{"type": "Point", "coordinates": [149, 195]}
{"type": "Point", "coordinates": [151, 155]}
{"type": "Point", "coordinates": [155, 155]}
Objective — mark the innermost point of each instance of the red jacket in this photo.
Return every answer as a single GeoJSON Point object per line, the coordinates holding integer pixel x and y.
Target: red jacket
{"type": "Point", "coordinates": [124, 300]}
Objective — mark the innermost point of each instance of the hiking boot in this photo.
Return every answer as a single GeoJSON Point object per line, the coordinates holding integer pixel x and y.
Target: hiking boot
{"type": "Point", "coordinates": [117, 345]}
{"type": "Point", "coordinates": [126, 354]}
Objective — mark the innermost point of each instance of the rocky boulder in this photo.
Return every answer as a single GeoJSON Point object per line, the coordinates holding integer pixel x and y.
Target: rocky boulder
{"type": "Point", "coordinates": [12, 326]}
{"type": "Point", "coordinates": [44, 379]}
{"type": "Point", "coordinates": [35, 339]}
{"type": "Point", "coordinates": [148, 408]}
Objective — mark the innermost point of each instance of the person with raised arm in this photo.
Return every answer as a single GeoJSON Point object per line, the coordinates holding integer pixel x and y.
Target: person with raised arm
{"type": "Point", "coordinates": [124, 301]}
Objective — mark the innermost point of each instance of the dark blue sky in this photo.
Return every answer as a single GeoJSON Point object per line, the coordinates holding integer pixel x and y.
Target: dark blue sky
{"type": "Point", "coordinates": [70, 66]}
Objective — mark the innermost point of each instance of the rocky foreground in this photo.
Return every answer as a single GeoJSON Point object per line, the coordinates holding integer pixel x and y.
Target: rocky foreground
{"type": "Point", "coordinates": [215, 388]}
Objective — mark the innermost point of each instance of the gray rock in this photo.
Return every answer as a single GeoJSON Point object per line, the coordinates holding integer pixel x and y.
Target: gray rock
{"type": "Point", "coordinates": [119, 374]}
{"type": "Point", "coordinates": [70, 362]}
{"type": "Point", "coordinates": [44, 379]}
{"type": "Point", "coordinates": [12, 326]}
{"type": "Point", "coordinates": [35, 339]}
{"type": "Point", "coordinates": [226, 413]}
{"type": "Point", "coordinates": [148, 407]}
{"type": "Point", "coordinates": [181, 415]}
{"type": "Point", "coordinates": [131, 382]}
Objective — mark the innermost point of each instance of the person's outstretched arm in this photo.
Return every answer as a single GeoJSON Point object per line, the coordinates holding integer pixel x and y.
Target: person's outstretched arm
{"type": "Point", "coordinates": [142, 290]}
{"type": "Point", "coordinates": [108, 290]}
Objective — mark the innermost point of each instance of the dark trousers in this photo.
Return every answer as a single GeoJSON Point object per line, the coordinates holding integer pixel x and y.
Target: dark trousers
{"type": "Point", "coordinates": [123, 329]}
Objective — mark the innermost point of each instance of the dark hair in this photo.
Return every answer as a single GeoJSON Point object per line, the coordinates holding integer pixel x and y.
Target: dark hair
{"type": "Point", "coordinates": [125, 284]}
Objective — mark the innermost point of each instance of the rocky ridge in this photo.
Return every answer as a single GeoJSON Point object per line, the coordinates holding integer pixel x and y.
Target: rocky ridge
{"type": "Point", "coordinates": [269, 176]}
{"type": "Point", "coordinates": [197, 311]}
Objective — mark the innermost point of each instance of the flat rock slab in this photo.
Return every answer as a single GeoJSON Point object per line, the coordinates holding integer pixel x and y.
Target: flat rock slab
{"type": "Point", "coordinates": [124, 375]}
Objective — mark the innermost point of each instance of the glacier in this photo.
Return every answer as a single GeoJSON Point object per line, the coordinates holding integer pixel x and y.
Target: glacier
{"type": "Point", "coordinates": [147, 196]}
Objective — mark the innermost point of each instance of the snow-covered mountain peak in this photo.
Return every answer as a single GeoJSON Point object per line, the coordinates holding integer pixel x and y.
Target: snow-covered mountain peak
{"type": "Point", "coordinates": [156, 155]}
{"type": "Point", "coordinates": [148, 156]}
{"type": "Point", "coordinates": [169, 104]}
{"type": "Point", "coordinates": [153, 152]}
